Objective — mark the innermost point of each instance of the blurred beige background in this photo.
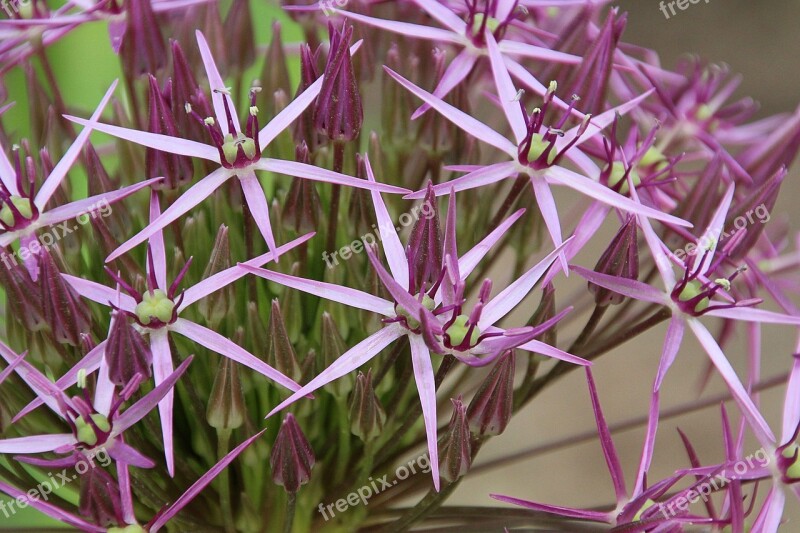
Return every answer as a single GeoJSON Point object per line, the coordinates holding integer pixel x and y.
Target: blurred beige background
{"type": "Point", "coordinates": [760, 40]}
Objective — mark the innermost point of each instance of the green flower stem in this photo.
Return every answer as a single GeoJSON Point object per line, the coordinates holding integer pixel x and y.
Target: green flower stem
{"type": "Point", "coordinates": [223, 447]}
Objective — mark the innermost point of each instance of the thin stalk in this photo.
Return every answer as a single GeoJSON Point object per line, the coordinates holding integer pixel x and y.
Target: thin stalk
{"type": "Point", "coordinates": [223, 447]}
{"type": "Point", "coordinates": [336, 193]}
{"type": "Point", "coordinates": [291, 507]}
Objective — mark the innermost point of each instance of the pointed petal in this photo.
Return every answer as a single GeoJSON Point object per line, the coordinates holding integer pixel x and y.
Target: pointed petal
{"type": "Point", "coordinates": [485, 175]}
{"type": "Point", "coordinates": [157, 247]}
{"type": "Point", "coordinates": [426, 387]}
{"type": "Point", "coordinates": [37, 443]}
{"type": "Point", "coordinates": [470, 125]}
{"type": "Point", "coordinates": [310, 172]}
{"type": "Point", "coordinates": [200, 485]}
{"type": "Point", "coordinates": [568, 512]}
{"type": "Point", "coordinates": [328, 291]}
{"type": "Point", "coordinates": [218, 89]}
{"type": "Point", "coordinates": [392, 247]}
{"type": "Point", "coordinates": [749, 410]}
{"type": "Point", "coordinates": [549, 211]}
{"type": "Point", "coordinates": [51, 510]}
{"type": "Point", "coordinates": [531, 51]}
{"type": "Point", "coordinates": [627, 287]}
{"type": "Point", "coordinates": [259, 208]}
{"type": "Point", "coordinates": [672, 344]}
{"type": "Point", "coordinates": [104, 390]}
{"type": "Point", "coordinates": [211, 284]}
{"type": "Point", "coordinates": [511, 296]}
{"type": "Point", "coordinates": [791, 405]}
{"type": "Point", "coordinates": [749, 314]}
{"type": "Point", "coordinates": [162, 370]}
{"type": "Point", "coordinates": [555, 353]}
{"type": "Point", "coordinates": [347, 362]}
{"type": "Point", "coordinates": [406, 29]}
{"type": "Point", "coordinates": [289, 114]}
{"type": "Point", "coordinates": [506, 91]}
{"type": "Point", "coordinates": [59, 172]}
{"type": "Point", "coordinates": [227, 348]}
{"type": "Point", "coordinates": [443, 15]}
{"type": "Point", "coordinates": [189, 199]}
{"type": "Point", "coordinates": [607, 196]}
{"type": "Point", "coordinates": [7, 371]}
{"type": "Point", "coordinates": [715, 228]}
{"type": "Point", "coordinates": [99, 293]}
{"type": "Point", "coordinates": [606, 442]}
{"type": "Point", "coordinates": [456, 72]}
{"type": "Point", "coordinates": [157, 141]}
{"type": "Point", "coordinates": [123, 453]}
{"type": "Point", "coordinates": [470, 260]}
{"type": "Point", "coordinates": [88, 205]}
{"type": "Point", "coordinates": [649, 444]}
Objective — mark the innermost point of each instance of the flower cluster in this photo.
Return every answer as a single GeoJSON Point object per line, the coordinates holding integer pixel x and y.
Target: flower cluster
{"type": "Point", "coordinates": [165, 332]}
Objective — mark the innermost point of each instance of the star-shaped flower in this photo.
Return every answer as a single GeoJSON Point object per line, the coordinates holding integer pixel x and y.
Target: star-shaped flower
{"type": "Point", "coordinates": [237, 151]}
{"type": "Point", "coordinates": [431, 317]}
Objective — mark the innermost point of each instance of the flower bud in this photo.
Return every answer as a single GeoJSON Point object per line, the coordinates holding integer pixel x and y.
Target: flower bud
{"type": "Point", "coordinates": [176, 169]}
{"type": "Point", "coordinates": [142, 47]}
{"type": "Point", "coordinates": [281, 352]}
{"type": "Point", "coordinates": [292, 457]}
{"type": "Point", "coordinates": [64, 312]}
{"type": "Point", "coordinates": [19, 288]}
{"type": "Point", "coordinates": [620, 259]}
{"type": "Point", "coordinates": [186, 90]}
{"type": "Point", "coordinates": [216, 306]}
{"type": "Point", "coordinates": [338, 112]}
{"type": "Point", "coordinates": [304, 131]}
{"type": "Point", "coordinates": [367, 417]}
{"type": "Point", "coordinates": [302, 207]}
{"type": "Point", "coordinates": [226, 409]}
{"type": "Point", "coordinates": [127, 353]}
{"type": "Point", "coordinates": [100, 499]}
{"type": "Point", "coordinates": [238, 27]}
{"type": "Point", "coordinates": [455, 452]}
{"type": "Point", "coordinates": [424, 249]}
{"type": "Point", "coordinates": [275, 74]}
{"type": "Point", "coordinates": [333, 346]}
{"type": "Point", "coordinates": [490, 409]}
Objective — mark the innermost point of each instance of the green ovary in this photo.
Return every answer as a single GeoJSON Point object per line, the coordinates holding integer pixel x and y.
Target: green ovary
{"type": "Point", "coordinates": [793, 471]}
{"type": "Point", "coordinates": [155, 304]}
{"type": "Point", "coordinates": [132, 528]}
{"type": "Point", "coordinates": [538, 147]}
{"type": "Point", "coordinates": [617, 177]}
{"type": "Point", "coordinates": [23, 205]}
{"type": "Point", "coordinates": [690, 291]}
{"type": "Point", "coordinates": [458, 332]}
{"type": "Point", "coordinates": [231, 147]}
{"type": "Point", "coordinates": [85, 431]}
{"type": "Point", "coordinates": [491, 23]}
{"type": "Point", "coordinates": [413, 323]}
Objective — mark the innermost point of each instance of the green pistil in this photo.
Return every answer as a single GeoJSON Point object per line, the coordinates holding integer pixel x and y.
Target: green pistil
{"type": "Point", "coordinates": [85, 430]}
{"type": "Point", "coordinates": [413, 323]}
{"type": "Point", "coordinates": [538, 147]}
{"type": "Point", "coordinates": [647, 505]}
{"type": "Point", "coordinates": [692, 290]}
{"type": "Point", "coordinates": [617, 177]}
{"type": "Point", "coordinates": [789, 452]}
{"type": "Point", "coordinates": [654, 157]}
{"type": "Point", "coordinates": [231, 147]}
{"type": "Point", "coordinates": [458, 332]}
{"type": "Point", "coordinates": [704, 112]}
{"type": "Point", "coordinates": [491, 23]}
{"type": "Point", "coordinates": [24, 207]}
{"type": "Point", "coordinates": [155, 304]}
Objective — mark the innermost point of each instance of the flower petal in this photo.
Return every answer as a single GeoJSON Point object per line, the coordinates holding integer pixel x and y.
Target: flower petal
{"type": "Point", "coordinates": [310, 172]}
{"type": "Point", "coordinates": [259, 208]}
{"type": "Point", "coordinates": [37, 443]}
{"type": "Point", "coordinates": [506, 92]}
{"type": "Point", "coordinates": [426, 388]}
{"type": "Point", "coordinates": [456, 72]}
{"type": "Point", "coordinates": [406, 29]}
{"type": "Point", "coordinates": [51, 510]}
{"type": "Point", "coordinates": [626, 287]}
{"type": "Point", "coordinates": [217, 86]}
{"type": "Point", "coordinates": [162, 370]}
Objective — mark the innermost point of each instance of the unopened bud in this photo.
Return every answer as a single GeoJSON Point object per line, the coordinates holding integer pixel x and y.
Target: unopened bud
{"type": "Point", "coordinates": [367, 417]}
{"type": "Point", "coordinates": [455, 455]}
{"type": "Point", "coordinates": [226, 409]}
{"type": "Point", "coordinates": [620, 259]}
{"type": "Point", "coordinates": [292, 457]}
{"type": "Point", "coordinates": [490, 409]}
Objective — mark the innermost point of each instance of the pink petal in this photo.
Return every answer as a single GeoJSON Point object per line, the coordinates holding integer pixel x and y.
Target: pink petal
{"type": "Point", "coordinates": [791, 405]}
{"type": "Point", "coordinates": [162, 369]}
{"type": "Point", "coordinates": [51, 510]}
{"type": "Point", "coordinates": [328, 291]}
{"type": "Point", "coordinates": [127, 455]}
{"type": "Point", "coordinates": [7, 371]}
{"type": "Point", "coordinates": [444, 15]}
{"type": "Point", "coordinates": [672, 344]}
{"type": "Point", "coordinates": [485, 175]}
{"type": "Point", "coordinates": [194, 196]}
{"type": "Point", "coordinates": [568, 512]}
{"type": "Point", "coordinates": [93, 203]}
{"type": "Point", "coordinates": [470, 125]}
{"type": "Point", "coordinates": [37, 443]}
{"type": "Point", "coordinates": [549, 210]}
{"type": "Point", "coordinates": [769, 519]}
{"type": "Point", "coordinates": [347, 362]}
{"type": "Point", "coordinates": [406, 29]}
{"type": "Point", "coordinates": [749, 410]}
{"type": "Point", "coordinates": [551, 351]}
{"type": "Point", "coordinates": [607, 196]}
{"type": "Point", "coordinates": [157, 247]}
{"type": "Point", "coordinates": [259, 208]}
{"type": "Point", "coordinates": [99, 293]}
{"type": "Point", "coordinates": [586, 228]}
{"type": "Point", "coordinates": [506, 91]}
{"type": "Point", "coordinates": [750, 314]}
{"type": "Point", "coordinates": [426, 388]}
{"type": "Point", "coordinates": [310, 172]}
{"type": "Point", "coordinates": [523, 75]}
{"type": "Point", "coordinates": [456, 72]}
{"type": "Point", "coordinates": [511, 296]}
{"type": "Point", "coordinates": [59, 172]}
{"type": "Point", "coordinates": [607, 443]}
{"type": "Point", "coordinates": [217, 86]}
{"type": "Point", "coordinates": [104, 390]}
{"type": "Point", "coordinates": [211, 284]}
{"type": "Point", "coordinates": [392, 247]}
{"type": "Point", "coordinates": [626, 287]}
{"type": "Point", "coordinates": [41, 385]}
{"type": "Point", "coordinates": [531, 51]}
{"type": "Point", "coordinates": [289, 114]}
{"type": "Point", "coordinates": [173, 145]}
{"type": "Point", "coordinates": [200, 485]}
{"type": "Point", "coordinates": [227, 348]}
{"type": "Point", "coordinates": [470, 260]}
{"type": "Point", "coordinates": [715, 228]}
{"type": "Point", "coordinates": [649, 444]}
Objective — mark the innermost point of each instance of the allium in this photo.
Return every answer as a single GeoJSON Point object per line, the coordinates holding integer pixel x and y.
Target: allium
{"type": "Point", "coordinates": [341, 305]}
